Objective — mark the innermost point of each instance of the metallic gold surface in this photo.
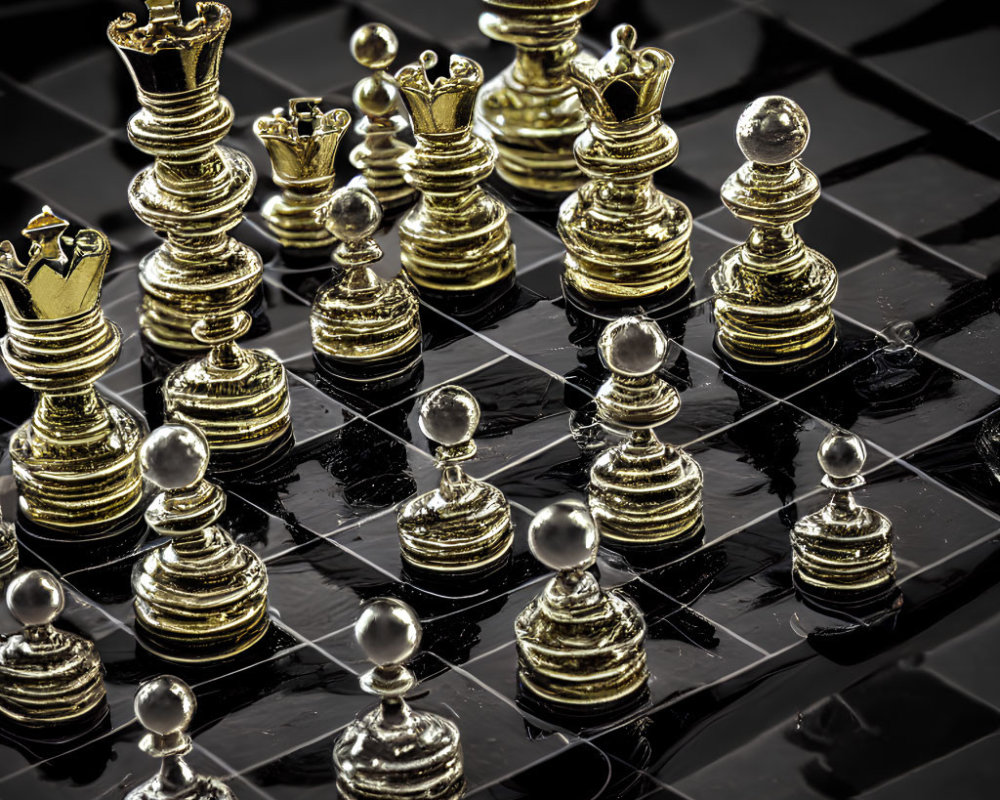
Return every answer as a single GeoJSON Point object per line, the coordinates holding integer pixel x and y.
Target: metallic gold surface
{"type": "Point", "coordinates": [626, 241]}
{"type": "Point", "coordinates": [375, 47]}
{"type": "Point", "coordinates": [48, 677]}
{"type": "Point", "coordinates": [363, 327]}
{"type": "Point", "coordinates": [464, 524]}
{"type": "Point", "coordinates": [531, 110]}
{"type": "Point", "coordinates": [843, 548]}
{"type": "Point", "coordinates": [642, 492]}
{"type": "Point", "coordinates": [457, 237]}
{"type": "Point", "coordinates": [202, 597]}
{"type": "Point", "coordinates": [8, 550]}
{"type": "Point", "coordinates": [75, 459]}
{"type": "Point", "coordinates": [773, 295]}
{"type": "Point", "coordinates": [302, 146]}
{"type": "Point", "coordinates": [198, 281]}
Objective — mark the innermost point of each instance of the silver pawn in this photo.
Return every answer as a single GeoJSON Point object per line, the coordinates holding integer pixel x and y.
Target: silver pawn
{"type": "Point", "coordinates": [165, 707]}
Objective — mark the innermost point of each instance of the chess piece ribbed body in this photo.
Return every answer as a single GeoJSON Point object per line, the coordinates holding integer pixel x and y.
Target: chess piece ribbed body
{"type": "Point", "coordinates": [302, 147]}
{"type": "Point", "coordinates": [8, 549]}
{"type": "Point", "coordinates": [457, 238]}
{"type": "Point", "coordinates": [197, 283]}
{"type": "Point", "coordinates": [395, 752]}
{"type": "Point", "coordinates": [531, 110]}
{"type": "Point", "coordinates": [75, 459]}
{"type": "Point", "coordinates": [202, 597]}
{"type": "Point", "coordinates": [626, 241]}
{"type": "Point", "coordinates": [642, 491]}
{"type": "Point", "coordinates": [364, 328]}
{"type": "Point", "coordinates": [578, 645]}
{"type": "Point", "coordinates": [844, 549]}
{"type": "Point", "coordinates": [48, 678]}
{"type": "Point", "coordinates": [464, 525]}
{"type": "Point", "coordinates": [375, 46]}
{"type": "Point", "coordinates": [773, 295]}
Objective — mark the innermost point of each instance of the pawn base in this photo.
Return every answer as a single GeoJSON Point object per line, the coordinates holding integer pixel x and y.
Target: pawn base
{"type": "Point", "coordinates": [203, 788]}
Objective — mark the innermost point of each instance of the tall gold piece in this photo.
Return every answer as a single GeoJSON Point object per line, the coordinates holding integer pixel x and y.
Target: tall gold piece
{"type": "Point", "coordinates": [642, 492]}
{"type": "Point", "coordinates": [199, 280]}
{"type": "Point", "coordinates": [48, 677]}
{"type": "Point", "coordinates": [843, 549]}
{"type": "Point", "coordinates": [531, 109]}
{"type": "Point", "coordinates": [375, 46]}
{"type": "Point", "coordinates": [302, 147]}
{"type": "Point", "coordinates": [364, 327]}
{"type": "Point", "coordinates": [457, 237]}
{"type": "Point", "coordinates": [8, 549]}
{"type": "Point", "coordinates": [626, 241]}
{"type": "Point", "coordinates": [577, 644]}
{"type": "Point", "coordinates": [75, 459]}
{"type": "Point", "coordinates": [773, 295]}
{"type": "Point", "coordinates": [202, 597]}
{"type": "Point", "coordinates": [464, 524]}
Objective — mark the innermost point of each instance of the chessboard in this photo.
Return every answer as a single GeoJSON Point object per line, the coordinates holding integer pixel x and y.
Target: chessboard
{"type": "Point", "coordinates": [753, 694]}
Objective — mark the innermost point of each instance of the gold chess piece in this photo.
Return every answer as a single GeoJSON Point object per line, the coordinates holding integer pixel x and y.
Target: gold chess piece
{"type": "Point", "coordinates": [302, 147]}
{"type": "Point", "coordinates": [8, 549]}
{"type": "Point", "coordinates": [198, 281]}
{"type": "Point", "coordinates": [464, 525]}
{"type": "Point", "coordinates": [75, 459]}
{"type": "Point", "coordinates": [364, 328]}
{"type": "Point", "coordinates": [457, 238]}
{"type": "Point", "coordinates": [165, 707]}
{"type": "Point", "coordinates": [375, 47]}
{"type": "Point", "coordinates": [395, 751]}
{"type": "Point", "coordinates": [843, 549]}
{"type": "Point", "coordinates": [202, 597]}
{"type": "Point", "coordinates": [626, 241]}
{"type": "Point", "coordinates": [577, 644]}
{"type": "Point", "coordinates": [48, 678]}
{"type": "Point", "coordinates": [642, 492]}
{"type": "Point", "coordinates": [531, 110]}
{"type": "Point", "coordinates": [773, 295]}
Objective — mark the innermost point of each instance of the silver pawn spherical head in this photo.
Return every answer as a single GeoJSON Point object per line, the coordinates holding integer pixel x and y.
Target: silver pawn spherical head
{"type": "Point", "coordinates": [165, 705]}
{"type": "Point", "coordinates": [449, 416]}
{"type": "Point", "coordinates": [772, 130]}
{"type": "Point", "coordinates": [352, 214]}
{"type": "Point", "coordinates": [633, 346]}
{"type": "Point", "coordinates": [174, 456]}
{"type": "Point", "coordinates": [388, 631]}
{"type": "Point", "coordinates": [841, 454]}
{"type": "Point", "coordinates": [374, 45]}
{"type": "Point", "coordinates": [35, 597]}
{"type": "Point", "coordinates": [563, 536]}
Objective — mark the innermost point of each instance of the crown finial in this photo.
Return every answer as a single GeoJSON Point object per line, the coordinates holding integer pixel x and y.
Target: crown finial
{"type": "Point", "coordinates": [45, 231]}
{"type": "Point", "coordinates": [162, 12]}
{"type": "Point", "coordinates": [445, 105]}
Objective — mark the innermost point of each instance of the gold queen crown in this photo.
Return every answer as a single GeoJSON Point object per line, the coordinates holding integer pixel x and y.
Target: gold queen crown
{"type": "Point", "coordinates": [53, 286]}
{"type": "Point", "coordinates": [168, 55]}
{"type": "Point", "coordinates": [303, 145]}
{"type": "Point", "coordinates": [626, 85]}
{"type": "Point", "coordinates": [447, 104]}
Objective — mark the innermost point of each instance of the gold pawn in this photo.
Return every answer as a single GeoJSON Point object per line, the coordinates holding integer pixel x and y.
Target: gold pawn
{"type": "Point", "coordinates": [375, 46]}
{"type": "Point", "coordinates": [75, 459]}
{"type": "Point", "coordinates": [531, 110]}
{"type": "Point", "coordinates": [457, 238]}
{"type": "Point", "coordinates": [302, 147]}
{"type": "Point", "coordinates": [773, 295]}
{"type": "Point", "coordinates": [626, 241]}
{"type": "Point", "coordinates": [642, 492]}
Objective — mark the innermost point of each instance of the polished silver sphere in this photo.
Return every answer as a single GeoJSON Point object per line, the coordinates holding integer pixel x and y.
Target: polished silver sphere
{"type": "Point", "coordinates": [633, 346]}
{"type": "Point", "coordinates": [841, 454]}
{"type": "Point", "coordinates": [174, 456]}
{"type": "Point", "coordinates": [772, 130]}
{"type": "Point", "coordinates": [449, 416]}
{"type": "Point", "coordinates": [374, 45]}
{"type": "Point", "coordinates": [35, 597]}
{"type": "Point", "coordinates": [165, 705]}
{"type": "Point", "coordinates": [563, 536]}
{"type": "Point", "coordinates": [388, 631]}
{"type": "Point", "coordinates": [352, 214]}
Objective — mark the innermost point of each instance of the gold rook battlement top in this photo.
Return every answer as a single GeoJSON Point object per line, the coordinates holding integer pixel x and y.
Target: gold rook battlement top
{"type": "Point", "coordinates": [447, 104]}
{"type": "Point", "coordinates": [302, 146]}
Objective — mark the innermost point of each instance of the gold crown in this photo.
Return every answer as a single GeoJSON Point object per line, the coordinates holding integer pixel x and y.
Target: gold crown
{"type": "Point", "coordinates": [447, 105]}
{"type": "Point", "coordinates": [303, 145]}
{"type": "Point", "coordinates": [53, 285]}
{"type": "Point", "coordinates": [168, 55]}
{"type": "Point", "coordinates": [626, 84]}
